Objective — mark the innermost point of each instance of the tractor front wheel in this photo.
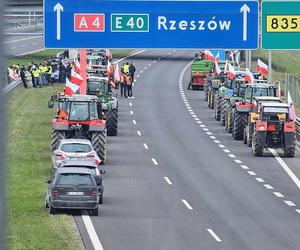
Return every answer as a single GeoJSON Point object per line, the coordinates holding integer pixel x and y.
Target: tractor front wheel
{"type": "Point", "coordinates": [257, 149]}
{"type": "Point", "coordinates": [98, 141]}
{"type": "Point", "coordinates": [56, 136]}
{"type": "Point", "coordinates": [239, 123]}
{"type": "Point", "coordinates": [112, 122]}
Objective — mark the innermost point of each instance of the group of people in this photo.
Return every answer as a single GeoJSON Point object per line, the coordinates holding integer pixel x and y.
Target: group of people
{"type": "Point", "coordinates": [127, 79]}
{"type": "Point", "coordinates": [40, 74]}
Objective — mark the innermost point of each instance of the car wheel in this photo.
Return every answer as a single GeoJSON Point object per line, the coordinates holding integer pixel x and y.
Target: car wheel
{"type": "Point", "coordinates": [52, 210]}
{"type": "Point", "coordinates": [101, 199]}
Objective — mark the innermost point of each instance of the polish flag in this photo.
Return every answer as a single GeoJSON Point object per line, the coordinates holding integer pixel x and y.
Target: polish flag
{"type": "Point", "coordinates": [217, 68]}
{"type": "Point", "coordinates": [12, 74]}
{"type": "Point", "coordinates": [249, 76]}
{"type": "Point", "coordinates": [75, 77]}
{"type": "Point", "coordinates": [76, 65]}
{"type": "Point", "coordinates": [262, 68]}
{"type": "Point", "coordinates": [70, 88]}
{"type": "Point", "coordinates": [292, 112]}
{"type": "Point", "coordinates": [226, 67]}
{"type": "Point", "coordinates": [231, 72]}
{"type": "Point", "coordinates": [117, 73]}
{"type": "Point", "coordinates": [208, 55]}
{"type": "Point", "coordinates": [217, 58]}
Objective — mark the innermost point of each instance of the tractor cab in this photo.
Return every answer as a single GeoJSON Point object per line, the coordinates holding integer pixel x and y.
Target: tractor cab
{"type": "Point", "coordinates": [259, 89]}
{"type": "Point", "coordinates": [98, 85]}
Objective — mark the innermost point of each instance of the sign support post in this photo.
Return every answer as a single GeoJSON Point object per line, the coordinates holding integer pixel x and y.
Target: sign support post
{"type": "Point", "coordinates": [83, 71]}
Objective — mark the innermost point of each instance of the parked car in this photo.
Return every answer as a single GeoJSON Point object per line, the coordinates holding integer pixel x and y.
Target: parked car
{"type": "Point", "coordinates": [72, 188]}
{"type": "Point", "coordinates": [94, 170]}
{"type": "Point", "coordinates": [74, 149]}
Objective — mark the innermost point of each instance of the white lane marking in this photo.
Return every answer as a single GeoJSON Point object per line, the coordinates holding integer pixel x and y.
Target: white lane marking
{"type": "Point", "coordinates": [141, 72]}
{"type": "Point", "coordinates": [208, 133]}
{"type": "Point", "coordinates": [28, 52]}
{"type": "Point", "coordinates": [205, 129]}
{"type": "Point", "coordinates": [261, 180]}
{"type": "Point", "coordinates": [251, 173]}
{"type": "Point", "coordinates": [154, 161]}
{"type": "Point", "coordinates": [232, 156]}
{"type": "Point", "coordinates": [278, 194]}
{"type": "Point", "coordinates": [168, 181]}
{"type": "Point", "coordinates": [221, 145]}
{"type": "Point", "coordinates": [154, 61]}
{"type": "Point", "coordinates": [286, 168]}
{"type": "Point", "coordinates": [133, 54]}
{"type": "Point", "coordinates": [267, 186]}
{"type": "Point", "coordinates": [23, 39]}
{"type": "Point", "coordinates": [194, 116]}
{"type": "Point", "coordinates": [238, 161]}
{"type": "Point", "coordinates": [202, 126]}
{"type": "Point", "coordinates": [199, 122]}
{"type": "Point", "coordinates": [187, 204]}
{"type": "Point", "coordinates": [213, 234]}
{"type": "Point", "coordinates": [244, 167]}
{"type": "Point", "coordinates": [91, 231]}
{"type": "Point", "coordinates": [130, 104]}
{"type": "Point", "coordinates": [139, 133]}
{"type": "Point", "coordinates": [297, 210]}
{"type": "Point", "coordinates": [134, 122]}
{"type": "Point", "coordinates": [192, 113]}
{"type": "Point", "coordinates": [197, 119]}
{"type": "Point", "coordinates": [149, 64]}
{"type": "Point", "coordinates": [212, 137]}
{"type": "Point", "coordinates": [138, 76]}
{"type": "Point", "coordinates": [290, 203]}
{"type": "Point", "coordinates": [131, 112]}
{"type": "Point", "coordinates": [217, 141]}
{"type": "Point", "coordinates": [226, 150]}
{"type": "Point", "coordinates": [145, 146]}
{"type": "Point", "coordinates": [145, 68]}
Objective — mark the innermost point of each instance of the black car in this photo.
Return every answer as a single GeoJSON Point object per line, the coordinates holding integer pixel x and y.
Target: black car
{"type": "Point", "coordinates": [72, 188]}
{"type": "Point", "coordinates": [94, 170]}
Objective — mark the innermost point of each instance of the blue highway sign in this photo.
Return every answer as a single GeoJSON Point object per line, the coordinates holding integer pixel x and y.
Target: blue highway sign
{"type": "Point", "coordinates": [151, 24]}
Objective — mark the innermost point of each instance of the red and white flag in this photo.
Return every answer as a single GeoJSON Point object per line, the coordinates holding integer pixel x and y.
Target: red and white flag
{"type": "Point", "coordinates": [208, 55]}
{"type": "Point", "coordinates": [12, 74]}
{"type": "Point", "coordinates": [75, 77]}
{"type": "Point", "coordinates": [262, 68]}
{"type": "Point", "coordinates": [76, 65]}
{"type": "Point", "coordinates": [70, 88]}
{"type": "Point", "coordinates": [217, 68]}
{"type": "Point", "coordinates": [117, 73]}
{"type": "Point", "coordinates": [292, 113]}
{"type": "Point", "coordinates": [231, 72]}
{"type": "Point", "coordinates": [249, 76]}
{"type": "Point", "coordinates": [217, 58]}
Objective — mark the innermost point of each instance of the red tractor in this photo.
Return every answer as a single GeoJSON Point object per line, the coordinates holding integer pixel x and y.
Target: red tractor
{"type": "Point", "coordinates": [274, 129]}
{"type": "Point", "coordinates": [81, 117]}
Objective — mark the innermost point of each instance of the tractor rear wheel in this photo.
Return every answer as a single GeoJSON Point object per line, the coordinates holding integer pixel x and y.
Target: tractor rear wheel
{"type": "Point", "coordinates": [245, 136]}
{"type": "Point", "coordinates": [212, 100]}
{"type": "Point", "coordinates": [98, 141]}
{"type": "Point", "coordinates": [56, 136]}
{"type": "Point", "coordinates": [112, 122]}
{"type": "Point", "coordinates": [257, 150]}
{"type": "Point", "coordinates": [223, 111]}
{"type": "Point", "coordinates": [250, 134]}
{"type": "Point", "coordinates": [239, 123]}
{"type": "Point", "coordinates": [218, 100]}
{"type": "Point", "coordinates": [230, 120]}
{"type": "Point", "coordinates": [289, 152]}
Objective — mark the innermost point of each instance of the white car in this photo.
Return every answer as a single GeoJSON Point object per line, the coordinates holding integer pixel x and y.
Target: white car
{"type": "Point", "coordinates": [74, 149]}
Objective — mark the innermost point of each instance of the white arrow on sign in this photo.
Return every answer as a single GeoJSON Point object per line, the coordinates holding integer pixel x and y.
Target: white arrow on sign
{"type": "Point", "coordinates": [245, 10]}
{"type": "Point", "coordinates": [58, 8]}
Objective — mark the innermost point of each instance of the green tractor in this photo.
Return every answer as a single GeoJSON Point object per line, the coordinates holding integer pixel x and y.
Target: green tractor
{"type": "Point", "coordinates": [99, 86]}
{"type": "Point", "coordinates": [200, 69]}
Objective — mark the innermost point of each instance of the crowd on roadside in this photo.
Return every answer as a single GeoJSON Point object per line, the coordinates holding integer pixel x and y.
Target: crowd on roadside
{"type": "Point", "coordinates": [127, 79]}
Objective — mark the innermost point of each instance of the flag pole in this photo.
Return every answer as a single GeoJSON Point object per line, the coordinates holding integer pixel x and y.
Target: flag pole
{"type": "Point", "coordinates": [83, 71]}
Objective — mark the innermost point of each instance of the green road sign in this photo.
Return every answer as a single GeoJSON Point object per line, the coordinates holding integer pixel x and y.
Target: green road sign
{"type": "Point", "coordinates": [280, 25]}
{"type": "Point", "coordinates": [129, 22]}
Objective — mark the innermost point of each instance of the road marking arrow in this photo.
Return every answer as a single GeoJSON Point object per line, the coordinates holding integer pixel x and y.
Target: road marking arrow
{"type": "Point", "coordinates": [58, 8]}
{"type": "Point", "coordinates": [245, 10]}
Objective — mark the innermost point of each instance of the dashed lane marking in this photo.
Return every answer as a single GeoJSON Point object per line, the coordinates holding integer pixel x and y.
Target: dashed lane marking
{"type": "Point", "coordinates": [145, 146]}
{"type": "Point", "coordinates": [232, 156]}
{"type": "Point", "coordinates": [226, 150]}
{"type": "Point", "coordinates": [131, 112]}
{"type": "Point", "coordinates": [268, 186]}
{"type": "Point", "coordinates": [278, 194]}
{"type": "Point", "coordinates": [290, 203]}
{"type": "Point", "coordinates": [238, 161]}
{"type": "Point", "coordinates": [221, 145]}
{"type": "Point", "coordinates": [130, 104]}
{"type": "Point", "coordinates": [168, 181]}
{"type": "Point", "coordinates": [251, 173]}
{"type": "Point", "coordinates": [139, 133]}
{"type": "Point", "coordinates": [154, 161]}
{"type": "Point", "coordinates": [244, 167]}
{"type": "Point", "coordinates": [214, 235]}
{"type": "Point", "coordinates": [297, 210]}
{"type": "Point", "coordinates": [134, 122]}
{"type": "Point", "coordinates": [187, 204]}
{"type": "Point", "coordinates": [217, 141]}
{"type": "Point", "coordinates": [261, 180]}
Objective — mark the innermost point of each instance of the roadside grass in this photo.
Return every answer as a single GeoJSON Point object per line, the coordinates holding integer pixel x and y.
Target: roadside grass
{"type": "Point", "coordinates": [118, 53]}
{"type": "Point", "coordinates": [29, 128]}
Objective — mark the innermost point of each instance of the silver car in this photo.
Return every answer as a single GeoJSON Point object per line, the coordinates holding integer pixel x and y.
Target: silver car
{"type": "Point", "coordinates": [74, 149]}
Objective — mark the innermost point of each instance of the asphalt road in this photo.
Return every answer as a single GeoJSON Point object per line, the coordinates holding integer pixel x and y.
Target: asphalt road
{"type": "Point", "coordinates": [176, 180]}
{"type": "Point", "coordinates": [20, 45]}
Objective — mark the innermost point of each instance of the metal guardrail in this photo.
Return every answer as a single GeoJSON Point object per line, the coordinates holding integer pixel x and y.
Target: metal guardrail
{"type": "Point", "coordinates": [12, 87]}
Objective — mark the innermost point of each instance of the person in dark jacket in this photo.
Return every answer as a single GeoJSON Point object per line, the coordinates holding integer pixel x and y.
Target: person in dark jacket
{"type": "Point", "coordinates": [132, 71]}
{"type": "Point", "coordinates": [23, 76]}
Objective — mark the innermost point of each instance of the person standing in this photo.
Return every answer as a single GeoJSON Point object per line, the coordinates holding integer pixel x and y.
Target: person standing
{"type": "Point", "coordinates": [36, 76]}
{"type": "Point", "coordinates": [23, 76]}
{"type": "Point", "coordinates": [42, 74]}
{"type": "Point", "coordinates": [122, 81]}
{"type": "Point", "coordinates": [128, 80]}
{"type": "Point", "coordinates": [49, 74]}
{"type": "Point", "coordinates": [132, 71]}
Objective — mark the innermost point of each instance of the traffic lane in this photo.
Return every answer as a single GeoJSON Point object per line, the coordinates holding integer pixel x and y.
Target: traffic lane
{"type": "Point", "coordinates": [266, 167]}
{"type": "Point", "coordinates": [137, 207]}
{"type": "Point", "coordinates": [16, 45]}
{"type": "Point", "coordinates": [217, 188]}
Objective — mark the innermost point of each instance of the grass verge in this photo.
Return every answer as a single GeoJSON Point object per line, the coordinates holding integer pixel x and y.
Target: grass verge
{"type": "Point", "coordinates": [29, 128]}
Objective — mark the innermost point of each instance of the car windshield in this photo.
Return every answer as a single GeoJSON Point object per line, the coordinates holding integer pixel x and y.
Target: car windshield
{"type": "Point", "coordinates": [276, 110]}
{"type": "Point", "coordinates": [73, 179]}
{"type": "Point", "coordinates": [76, 148]}
{"type": "Point", "coordinates": [251, 92]}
